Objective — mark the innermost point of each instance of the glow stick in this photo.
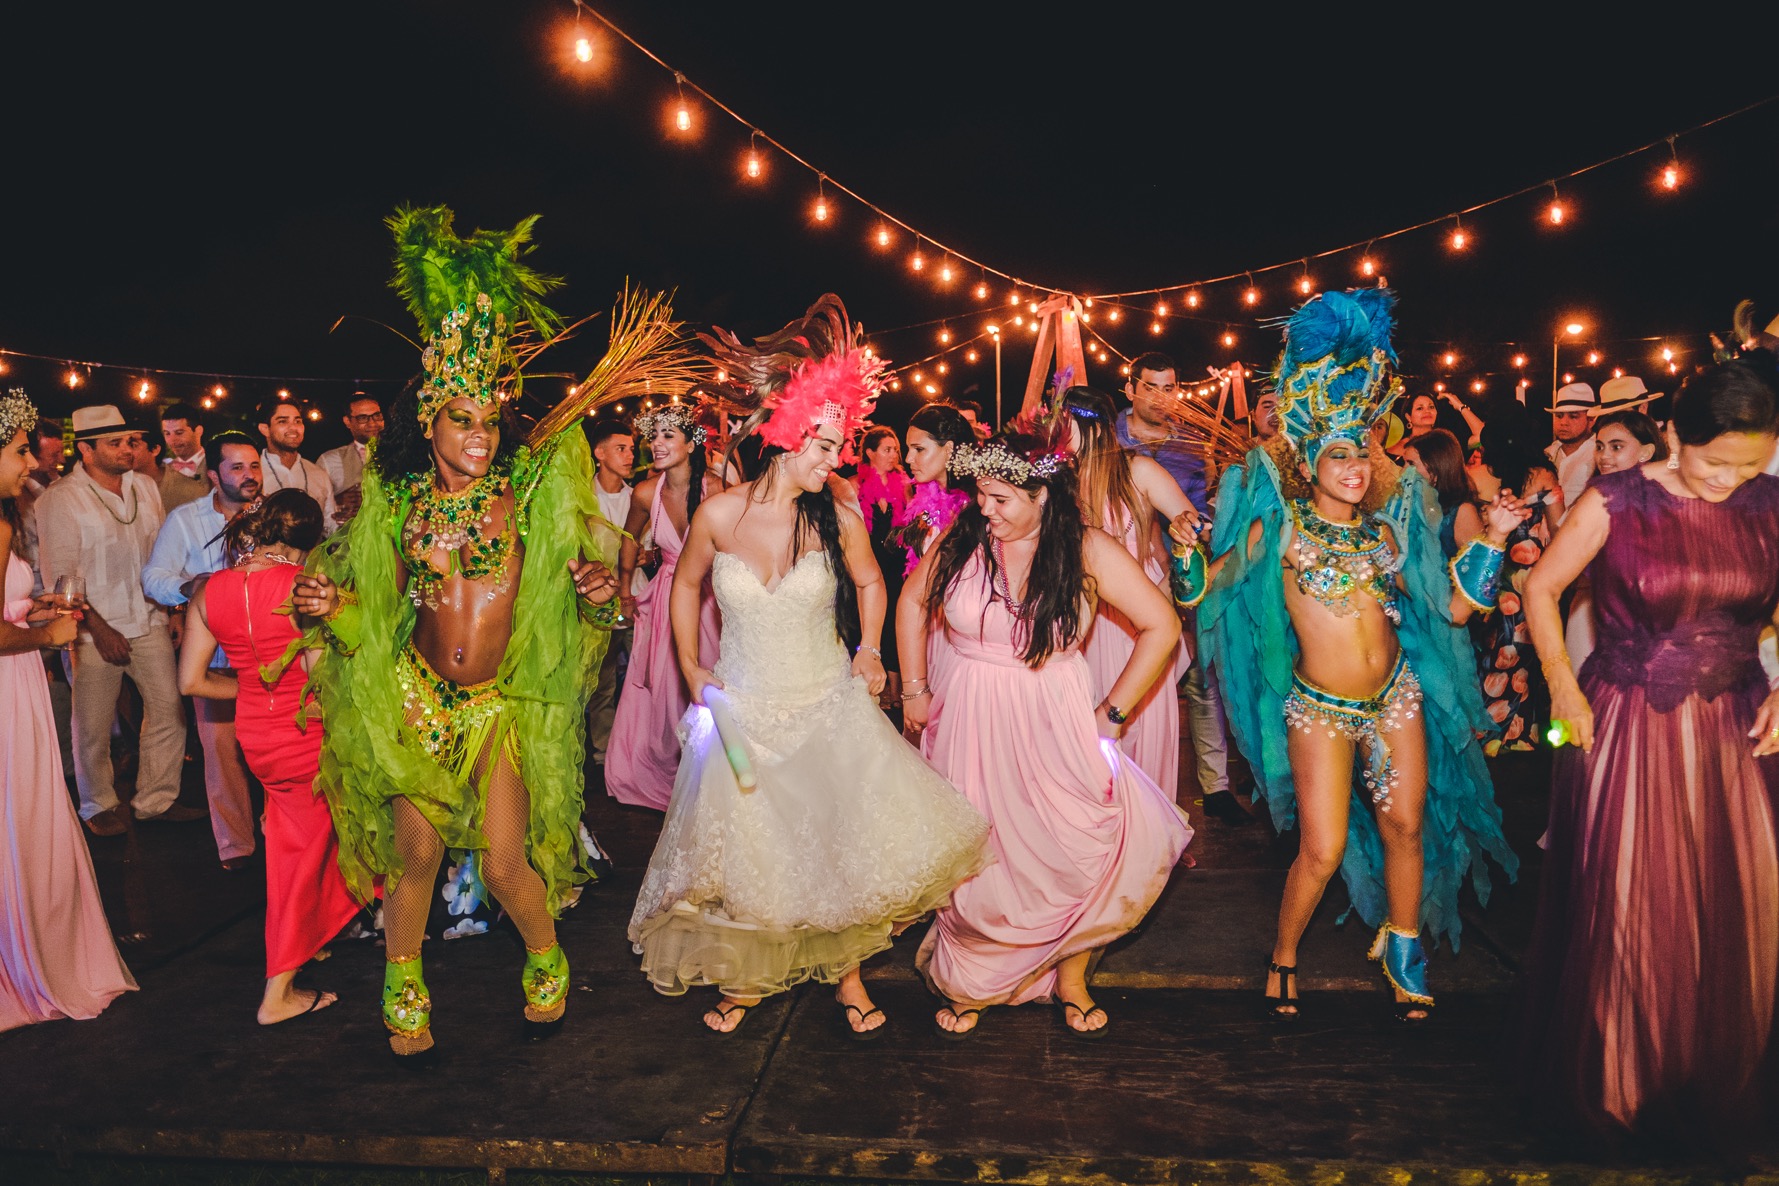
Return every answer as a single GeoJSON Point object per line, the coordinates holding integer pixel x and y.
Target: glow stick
{"type": "Point", "coordinates": [733, 739]}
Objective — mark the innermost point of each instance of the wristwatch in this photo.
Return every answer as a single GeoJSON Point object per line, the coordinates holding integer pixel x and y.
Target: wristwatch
{"type": "Point", "coordinates": [1115, 715]}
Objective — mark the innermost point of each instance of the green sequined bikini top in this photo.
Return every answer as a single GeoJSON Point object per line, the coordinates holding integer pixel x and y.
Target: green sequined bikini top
{"type": "Point", "coordinates": [438, 519]}
{"type": "Point", "coordinates": [1335, 560]}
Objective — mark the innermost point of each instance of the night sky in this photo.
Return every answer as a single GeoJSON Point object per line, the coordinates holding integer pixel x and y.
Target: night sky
{"type": "Point", "coordinates": [201, 186]}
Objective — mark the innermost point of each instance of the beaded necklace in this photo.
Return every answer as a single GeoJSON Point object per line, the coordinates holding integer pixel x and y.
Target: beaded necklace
{"type": "Point", "coordinates": [1335, 560]}
{"type": "Point", "coordinates": [1002, 589]}
{"type": "Point", "coordinates": [454, 522]}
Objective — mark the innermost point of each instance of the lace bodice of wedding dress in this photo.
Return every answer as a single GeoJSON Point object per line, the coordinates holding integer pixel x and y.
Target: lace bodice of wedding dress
{"type": "Point", "coordinates": [779, 643]}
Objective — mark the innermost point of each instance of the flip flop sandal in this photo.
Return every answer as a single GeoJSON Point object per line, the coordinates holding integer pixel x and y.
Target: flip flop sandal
{"type": "Point", "coordinates": [959, 1014]}
{"type": "Point", "coordinates": [726, 1012]}
{"type": "Point", "coordinates": [1085, 1035]}
{"type": "Point", "coordinates": [858, 1035]}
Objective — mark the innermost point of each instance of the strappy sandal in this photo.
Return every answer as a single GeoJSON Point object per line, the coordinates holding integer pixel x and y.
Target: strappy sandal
{"type": "Point", "coordinates": [959, 1015]}
{"type": "Point", "coordinates": [1085, 1035]}
{"type": "Point", "coordinates": [726, 1011]}
{"type": "Point", "coordinates": [859, 1035]}
{"type": "Point", "coordinates": [1283, 1007]}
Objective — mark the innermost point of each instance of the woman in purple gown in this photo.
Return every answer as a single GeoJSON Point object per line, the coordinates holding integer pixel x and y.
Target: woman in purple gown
{"type": "Point", "coordinates": [1650, 980]}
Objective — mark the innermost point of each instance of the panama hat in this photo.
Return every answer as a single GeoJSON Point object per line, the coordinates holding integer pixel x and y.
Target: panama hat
{"type": "Point", "coordinates": [1623, 394]}
{"type": "Point", "coordinates": [100, 420]}
{"type": "Point", "coordinates": [1575, 397]}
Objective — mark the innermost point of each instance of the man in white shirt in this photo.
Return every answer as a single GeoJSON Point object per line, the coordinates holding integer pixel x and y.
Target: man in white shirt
{"type": "Point", "coordinates": [614, 456]}
{"type": "Point", "coordinates": [1573, 450]}
{"type": "Point", "coordinates": [282, 466]}
{"type": "Point", "coordinates": [99, 523]}
{"type": "Point", "coordinates": [345, 465]}
{"type": "Point", "coordinates": [189, 547]}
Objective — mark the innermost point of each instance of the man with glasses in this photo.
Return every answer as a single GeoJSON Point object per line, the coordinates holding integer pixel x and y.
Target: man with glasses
{"type": "Point", "coordinates": [345, 466]}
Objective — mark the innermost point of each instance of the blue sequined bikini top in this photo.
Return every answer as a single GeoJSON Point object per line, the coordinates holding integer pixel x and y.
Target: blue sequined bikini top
{"type": "Point", "coordinates": [1335, 560]}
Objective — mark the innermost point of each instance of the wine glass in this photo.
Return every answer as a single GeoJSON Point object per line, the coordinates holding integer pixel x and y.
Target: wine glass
{"type": "Point", "coordinates": [69, 594]}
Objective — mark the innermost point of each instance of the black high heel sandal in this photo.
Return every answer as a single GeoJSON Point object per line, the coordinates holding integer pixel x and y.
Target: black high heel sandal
{"type": "Point", "coordinates": [1283, 1007]}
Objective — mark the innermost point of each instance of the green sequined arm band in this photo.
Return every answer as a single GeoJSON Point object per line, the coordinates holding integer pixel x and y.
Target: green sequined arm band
{"type": "Point", "coordinates": [346, 623]}
{"type": "Point", "coordinates": [1190, 575]}
{"type": "Point", "coordinates": [607, 615]}
{"type": "Point", "coordinates": [1476, 573]}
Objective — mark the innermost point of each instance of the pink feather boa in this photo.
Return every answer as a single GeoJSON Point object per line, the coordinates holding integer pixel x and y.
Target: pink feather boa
{"type": "Point", "coordinates": [875, 488]}
{"type": "Point", "coordinates": [928, 513]}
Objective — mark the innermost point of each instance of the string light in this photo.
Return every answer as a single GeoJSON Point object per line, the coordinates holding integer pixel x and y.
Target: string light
{"type": "Point", "coordinates": [1476, 386]}
{"type": "Point", "coordinates": [1618, 372]}
{"type": "Point", "coordinates": [1013, 298]}
{"type": "Point", "coordinates": [753, 168]}
{"type": "Point", "coordinates": [72, 378]}
{"type": "Point", "coordinates": [1667, 354]}
{"type": "Point", "coordinates": [1019, 320]}
{"type": "Point", "coordinates": [932, 390]}
{"type": "Point", "coordinates": [1450, 359]}
{"type": "Point", "coordinates": [219, 391]}
{"type": "Point", "coordinates": [1439, 387]}
{"type": "Point", "coordinates": [1192, 299]}
{"type": "Point", "coordinates": [970, 356]}
{"type": "Point", "coordinates": [1155, 327]}
{"type": "Point", "coordinates": [942, 369]}
{"type": "Point", "coordinates": [583, 48]}
{"type": "Point", "coordinates": [993, 330]}
{"type": "Point", "coordinates": [208, 403]}
{"type": "Point", "coordinates": [284, 393]}
{"type": "Point", "coordinates": [1670, 175]}
{"type": "Point", "coordinates": [1228, 340]}
{"type": "Point", "coordinates": [1113, 315]}
{"type": "Point", "coordinates": [916, 376]}
{"type": "Point", "coordinates": [314, 413]}
{"type": "Point", "coordinates": [1367, 265]}
{"type": "Point", "coordinates": [882, 236]}
{"type": "Point", "coordinates": [944, 336]}
{"type": "Point", "coordinates": [821, 198]}
{"type": "Point", "coordinates": [1556, 212]}
{"type": "Point", "coordinates": [945, 273]}
{"type": "Point", "coordinates": [1458, 240]}
{"type": "Point", "coordinates": [1161, 308]}
{"type": "Point", "coordinates": [1251, 295]}
{"type": "Point", "coordinates": [1568, 377]}
{"type": "Point", "coordinates": [1519, 361]}
{"type": "Point", "coordinates": [682, 115]}
{"type": "Point", "coordinates": [917, 261]}
{"type": "Point", "coordinates": [1593, 358]}
{"type": "Point", "coordinates": [982, 291]}
{"type": "Point", "coordinates": [144, 391]}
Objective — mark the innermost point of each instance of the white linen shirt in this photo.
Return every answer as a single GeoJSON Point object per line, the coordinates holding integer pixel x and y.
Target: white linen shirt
{"type": "Point", "coordinates": [304, 475]}
{"type": "Point", "coordinates": [1574, 471]}
{"type": "Point", "coordinates": [86, 531]}
{"type": "Point", "coordinates": [344, 466]}
{"type": "Point", "coordinates": [189, 545]}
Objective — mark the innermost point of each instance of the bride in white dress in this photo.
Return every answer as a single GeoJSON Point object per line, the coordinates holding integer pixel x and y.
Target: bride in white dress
{"type": "Point", "coordinates": [848, 835]}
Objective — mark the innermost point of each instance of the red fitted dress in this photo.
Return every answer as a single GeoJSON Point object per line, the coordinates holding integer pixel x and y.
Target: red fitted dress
{"type": "Point", "coordinates": [307, 902]}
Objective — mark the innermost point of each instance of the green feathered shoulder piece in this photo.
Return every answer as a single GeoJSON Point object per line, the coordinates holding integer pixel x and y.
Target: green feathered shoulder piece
{"type": "Point", "coordinates": [436, 272]}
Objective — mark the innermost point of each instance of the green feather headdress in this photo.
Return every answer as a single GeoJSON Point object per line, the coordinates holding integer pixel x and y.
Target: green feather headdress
{"type": "Point", "coordinates": [471, 296]}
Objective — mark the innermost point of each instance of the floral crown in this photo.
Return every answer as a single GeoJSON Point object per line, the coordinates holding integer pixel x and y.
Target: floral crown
{"type": "Point", "coordinates": [681, 416]}
{"type": "Point", "coordinates": [17, 414]}
{"type": "Point", "coordinates": [999, 463]}
{"type": "Point", "coordinates": [463, 358]}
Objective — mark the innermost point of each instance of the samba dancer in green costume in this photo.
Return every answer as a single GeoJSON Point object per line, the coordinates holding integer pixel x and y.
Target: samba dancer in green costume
{"type": "Point", "coordinates": [1330, 622]}
{"type": "Point", "coordinates": [464, 609]}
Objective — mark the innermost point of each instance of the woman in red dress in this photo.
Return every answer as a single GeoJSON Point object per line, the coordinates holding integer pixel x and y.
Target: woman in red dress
{"type": "Point", "coordinates": [246, 611]}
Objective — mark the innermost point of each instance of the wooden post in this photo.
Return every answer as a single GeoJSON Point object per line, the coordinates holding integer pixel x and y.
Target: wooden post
{"type": "Point", "coordinates": [1058, 349]}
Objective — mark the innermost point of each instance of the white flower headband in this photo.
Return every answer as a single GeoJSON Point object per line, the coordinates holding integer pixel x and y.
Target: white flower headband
{"type": "Point", "coordinates": [680, 416]}
{"type": "Point", "coordinates": [16, 413]}
{"type": "Point", "coordinates": [995, 461]}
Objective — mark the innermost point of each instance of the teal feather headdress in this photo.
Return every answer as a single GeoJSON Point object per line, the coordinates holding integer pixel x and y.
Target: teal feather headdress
{"type": "Point", "coordinates": [1334, 378]}
{"type": "Point", "coordinates": [470, 297]}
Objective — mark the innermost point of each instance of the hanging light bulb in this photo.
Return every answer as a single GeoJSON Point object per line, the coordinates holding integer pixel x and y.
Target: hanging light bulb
{"type": "Point", "coordinates": [982, 291]}
{"type": "Point", "coordinates": [143, 391]}
{"type": "Point", "coordinates": [682, 117]}
{"type": "Point", "coordinates": [1618, 372]}
{"type": "Point", "coordinates": [1519, 361]}
{"type": "Point", "coordinates": [882, 236]}
{"type": "Point", "coordinates": [1192, 299]}
{"type": "Point", "coordinates": [916, 376]}
{"type": "Point", "coordinates": [942, 369]}
{"type": "Point", "coordinates": [72, 378]}
{"type": "Point", "coordinates": [1161, 308]}
{"type": "Point", "coordinates": [944, 336]}
{"type": "Point", "coordinates": [917, 261]}
{"type": "Point", "coordinates": [992, 330]}
{"type": "Point", "coordinates": [1459, 240]}
{"type": "Point", "coordinates": [753, 168]}
{"type": "Point", "coordinates": [1669, 178]}
{"type": "Point", "coordinates": [1228, 338]}
{"type": "Point", "coordinates": [1568, 377]}
{"type": "Point", "coordinates": [1476, 386]}
{"type": "Point", "coordinates": [1593, 358]}
{"type": "Point", "coordinates": [208, 403]}
{"type": "Point", "coordinates": [1020, 320]}
{"type": "Point", "coordinates": [1367, 265]}
{"type": "Point", "coordinates": [1450, 359]}
{"type": "Point", "coordinates": [583, 49]}
{"type": "Point", "coordinates": [1305, 285]}
{"type": "Point", "coordinates": [821, 198]}
{"type": "Point", "coordinates": [1556, 212]}
{"type": "Point", "coordinates": [1033, 307]}
{"type": "Point", "coordinates": [1250, 295]}
{"type": "Point", "coordinates": [970, 356]}
{"type": "Point", "coordinates": [1155, 327]}
{"type": "Point", "coordinates": [945, 272]}
{"type": "Point", "coordinates": [1667, 354]}
{"type": "Point", "coordinates": [1013, 297]}
{"type": "Point", "coordinates": [219, 391]}
{"type": "Point", "coordinates": [1114, 315]}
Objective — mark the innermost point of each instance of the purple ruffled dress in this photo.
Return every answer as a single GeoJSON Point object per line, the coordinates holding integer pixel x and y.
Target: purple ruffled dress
{"type": "Point", "coordinates": [1650, 978]}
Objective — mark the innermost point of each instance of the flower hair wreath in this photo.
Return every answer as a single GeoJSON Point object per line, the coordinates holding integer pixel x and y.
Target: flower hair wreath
{"type": "Point", "coordinates": [998, 463]}
{"type": "Point", "coordinates": [681, 416]}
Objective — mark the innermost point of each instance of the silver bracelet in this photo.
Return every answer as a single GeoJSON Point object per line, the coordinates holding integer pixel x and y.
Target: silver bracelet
{"type": "Point", "coordinates": [865, 646]}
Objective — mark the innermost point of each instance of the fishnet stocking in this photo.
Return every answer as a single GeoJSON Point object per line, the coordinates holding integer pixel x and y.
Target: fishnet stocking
{"type": "Point", "coordinates": [406, 906]}
{"type": "Point", "coordinates": [505, 867]}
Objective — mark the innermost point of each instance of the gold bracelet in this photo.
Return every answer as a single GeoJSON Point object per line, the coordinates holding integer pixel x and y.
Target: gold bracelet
{"type": "Point", "coordinates": [1559, 660]}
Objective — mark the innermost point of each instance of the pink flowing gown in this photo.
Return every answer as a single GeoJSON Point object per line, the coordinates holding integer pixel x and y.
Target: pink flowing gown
{"type": "Point", "coordinates": [1650, 977]}
{"type": "Point", "coordinates": [1152, 734]}
{"type": "Point", "coordinates": [56, 954]}
{"type": "Point", "coordinates": [1083, 840]}
{"type": "Point", "coordinates": [644, 752]}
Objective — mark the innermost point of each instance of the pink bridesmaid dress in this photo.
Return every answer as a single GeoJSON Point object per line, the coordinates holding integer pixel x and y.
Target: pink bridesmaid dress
{"type": "Point", "coordinates": [644, 753]}
{"type": "Point", "coordinates": [56, 954]}
{"type": "Point", "coordinates": [1152, 735]}
{"type": "Point", "coordinates": [1083, 841]}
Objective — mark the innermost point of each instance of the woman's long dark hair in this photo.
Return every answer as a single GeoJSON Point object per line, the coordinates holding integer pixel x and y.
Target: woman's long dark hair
{"type": "Point", "coordinates": [1058, 580]}
{"type": "Point", "coordinates": [1444, 458]}
{"type": "Point", "coordinates": [289, 516]}
{"type": "Point", "coordinates": [944, 423]}
{"type": "Point", "coordinates": [818, 518]}
{"type": "Point", "coordinates": [403, 450]}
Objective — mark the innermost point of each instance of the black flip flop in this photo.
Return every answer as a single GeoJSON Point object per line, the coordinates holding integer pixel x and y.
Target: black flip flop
{"type": "Point", "coordinates": [725, 1012]}
{"type": "Point", "coordinates": [858, 1035]}
{"type": "Point", "coordinates": [1085, 1035]}
{"type": "Point", "coordinates": [960, 1014]}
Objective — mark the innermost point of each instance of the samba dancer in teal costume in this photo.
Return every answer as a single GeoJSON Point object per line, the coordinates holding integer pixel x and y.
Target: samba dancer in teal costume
{"type": "Point", "coordinates": [465, 609]}
{"type": "Point", "coordinates": [1355, 656]}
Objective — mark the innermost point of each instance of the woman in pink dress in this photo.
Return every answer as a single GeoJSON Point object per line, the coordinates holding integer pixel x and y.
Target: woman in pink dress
{"type": "Point", "coordinates": [1651, 972]}
{"type": "Point", "coordinates": [644, 753]}
{"type": "Point", "coordinates": [1122, 494]}
{"type": "Point", "coordinates": [1083, 840]}
{"type": "Point", "coordinates": [246, 610]}
{"type": "Point", "coordinates": [56, 954]}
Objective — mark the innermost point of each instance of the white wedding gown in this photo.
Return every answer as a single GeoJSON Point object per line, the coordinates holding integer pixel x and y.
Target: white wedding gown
{"type": "Point", "coordinates": [847, 835]}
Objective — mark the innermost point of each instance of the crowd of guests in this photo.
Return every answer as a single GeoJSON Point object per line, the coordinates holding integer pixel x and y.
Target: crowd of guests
{"type": "Point", "coordinates": [1036, 810]}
